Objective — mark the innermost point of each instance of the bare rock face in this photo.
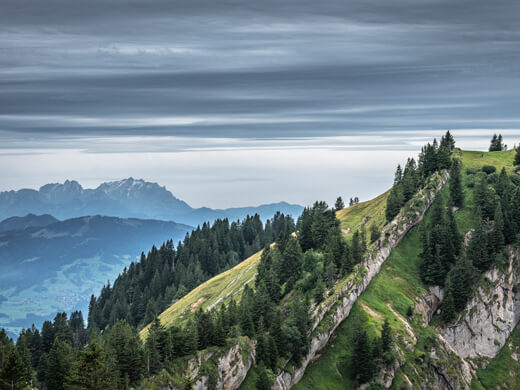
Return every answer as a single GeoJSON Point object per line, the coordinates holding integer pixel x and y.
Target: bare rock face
{"type": "Point", "coordinates": [490, 316]}
{"type": "Point", "coordinates": [479, 333]}
{"type": "Point", "coordinates": [222, 371]}
{"type": "Point", "coordinates": [330, 314]}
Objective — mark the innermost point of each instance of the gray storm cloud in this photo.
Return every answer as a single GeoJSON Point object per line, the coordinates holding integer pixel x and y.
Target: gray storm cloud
{"type": "Point", "coordinates": [265, 69]}
{"type": "Point", "coordinates": [101, 85]}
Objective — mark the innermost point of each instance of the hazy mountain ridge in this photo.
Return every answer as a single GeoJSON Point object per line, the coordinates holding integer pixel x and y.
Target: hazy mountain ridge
{"type": "Point", "coordinates": [55, 267]}
{"type": "Point", "coordinates": [30, 220]}
{"type": "Point", "coordinates": [127, 198]}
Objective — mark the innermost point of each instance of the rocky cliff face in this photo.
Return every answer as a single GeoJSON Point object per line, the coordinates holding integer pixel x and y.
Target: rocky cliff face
{"type": "Point", "coordinates": [479, 333]}
{"type": "Point", "coordinates": [336, 308]}
{"type": "Point", "coordinates": [222, 370]}
{"type": "Point", "coordinates": [490, 317]}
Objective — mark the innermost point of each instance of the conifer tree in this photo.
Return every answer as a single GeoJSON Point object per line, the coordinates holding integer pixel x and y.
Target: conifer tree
{"type": "Point", "coordinates": [496, 143]}
{"type": "Point", "coordinates": [319, 290]}
{"type": "Point", "coordinates": [394, 202]}
{"type": "Point", "coordinates": [448, 141]}
{"type": "Point", "coordinates": [515, 210]}
{"type": "Point", "coordinates": [484, 197]}
{"type": "Point", "coordinates": [275, 330]}
{"type": "Point", "coordinates": [448, 308]}
{"type": "Point", "coordinates": [126, 354]}
{"type": "Point", "coordinates": [58, 365]}
{"type": "Point", "coordinates": [305, 229]}
{"type": "Point", "coordinates": [331, 273]}
{"type": "Point", "coordinates": [409, 182]}
{"type": "Point", "coordinates": [398, 176]}
{"type": "Point", "coordinates": [455, 183]}
{"type": "Point", "coordinates": [517, 156]}
{"type": "Point", "coordinates": [443, 155]}
{"type": "Point", "coordinates": [478, 245]}
{"type": "Point", "coordinates": [374, 233]}
{"type": "Point", "coordinates": [339, 205]}
{"type": "Point", "coordinates": [460, 280]}
{"type": "Point", "coordinates": [362, 360]}
{"type": "Point", "coordinates": [154, 347]}
{"type": "Point", "coordinates": [386, 336]}
{"type": "Point", "coordinates": [90, 372]}
{"type": "Point", "coordinates": [13, 373]}
{"type": "Point", "coordinates": [357, 247]}
{"type": "Point", "coordinates": [263, 382]}
{"type": "Point", "coordinates": [497, 235]}
{"type": "Point", "coordinates": [292, 263]}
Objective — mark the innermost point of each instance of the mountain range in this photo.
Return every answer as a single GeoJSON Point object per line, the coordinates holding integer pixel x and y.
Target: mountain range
{"type": "Point", "coordinates": [48, 265]}
{"type": "Point", "coordinates": [128, 198]}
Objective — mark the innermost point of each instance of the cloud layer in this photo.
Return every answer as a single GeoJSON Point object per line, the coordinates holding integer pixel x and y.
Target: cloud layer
{"type": "Point", "coordinates": [256, 70]}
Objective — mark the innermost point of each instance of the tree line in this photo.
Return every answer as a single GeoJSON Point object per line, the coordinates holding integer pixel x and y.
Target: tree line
{"type": "Point", "coordinates": [496, 220]}
{"type": "Point", "coordinates": [149, 286]}
{"type": "Point", "coordinates": [433, 157]}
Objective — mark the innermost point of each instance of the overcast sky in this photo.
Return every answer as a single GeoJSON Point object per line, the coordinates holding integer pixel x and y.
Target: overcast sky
{"type": "Point", "coordinates": [240, 102]}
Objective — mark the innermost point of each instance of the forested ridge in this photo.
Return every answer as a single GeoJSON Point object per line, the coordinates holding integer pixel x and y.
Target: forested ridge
{"type": "Point", "coordinates": [147, 287]}
{"type": "Point", "coordinates": [292, 277]}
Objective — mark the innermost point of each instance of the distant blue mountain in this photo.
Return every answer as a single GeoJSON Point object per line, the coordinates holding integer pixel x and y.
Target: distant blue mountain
{"type": "Point", "coordinates": [128, 198]}
{"type": "Point", "coordinates": [57, 266]}
{"type": "Point", "coordinates": [30, 220]}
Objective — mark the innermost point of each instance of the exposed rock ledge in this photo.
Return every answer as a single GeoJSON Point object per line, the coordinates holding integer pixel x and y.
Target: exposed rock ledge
{"type": "Point", "coordinates": [490, 316]}
{"type": "Point", "coordinates": [338, 308]}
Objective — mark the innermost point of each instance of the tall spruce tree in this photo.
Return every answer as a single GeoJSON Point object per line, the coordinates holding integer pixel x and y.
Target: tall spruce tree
{"type": "Point", "coordinates": [362, 361]}
{"type": "Point", "coordinates": [448, 308]}
{"type": "Point", "coordinates": [478, 246]}
{"type": "Point", "coordinates": [90, 372]}
{"type": "Point", "coordinates": [497, 235]}
{"type": "Point", "coordinates": [291, 267]}
{"type": "Point", "coordinates": [339, 205]}
{"type": "Point", "coordinates": [386, 336]}
{"type": "Point", "coordinates": [455, 184]}
{"type": "Point", "coordinates": [58, 365]}
{"type": "Point", "coordinates": [460, 281]}
{"type": "Point", "coordinates": [13, 373]}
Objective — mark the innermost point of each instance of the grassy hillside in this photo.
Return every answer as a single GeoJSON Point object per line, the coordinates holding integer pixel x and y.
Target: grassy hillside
{"type": "Point", "coordinates": [218, 289]}
{"type": "Point", "coordinates": [389, 295]}
{"type": "Point", "coordinates": [473, 159]}
{"type": "Point", "coordinates": [363, 215]}
{"type": "Point", "coordinates": [397, 287]}
{"type": "Point", "coordinates": [230, 284]}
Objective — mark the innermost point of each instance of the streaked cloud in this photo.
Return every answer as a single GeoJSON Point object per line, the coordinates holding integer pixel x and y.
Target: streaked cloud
{"type": "Point", "coordinates": [121, 81]}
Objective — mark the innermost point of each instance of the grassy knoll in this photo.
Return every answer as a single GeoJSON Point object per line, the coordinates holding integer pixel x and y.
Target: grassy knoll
{"type": "Point", "coordinates": [363, 215]}
{"type": "Point", "coordinates": [473, 159]}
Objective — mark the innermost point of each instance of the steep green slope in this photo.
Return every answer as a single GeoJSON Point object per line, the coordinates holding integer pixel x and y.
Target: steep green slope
{"type": "Point", "coordinates": [227, 285]}
{"type": "Point", "coordinates": [219, 289]}
{"type": "Point", "coordinates": [389, 295]}
{"type": "Point", "coordinates": [396, 288]}
{"type": "Point", "coordinates": [363, 215]}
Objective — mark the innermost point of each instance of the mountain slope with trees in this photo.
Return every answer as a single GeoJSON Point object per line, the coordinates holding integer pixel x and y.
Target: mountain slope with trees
{"type": "Point", "coordinates": [259, 324]}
